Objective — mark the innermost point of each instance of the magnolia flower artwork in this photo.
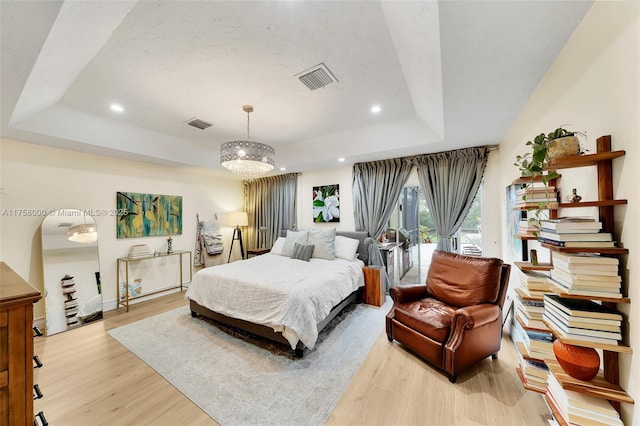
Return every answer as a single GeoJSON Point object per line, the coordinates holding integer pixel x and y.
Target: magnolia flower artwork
{"type": "Point", "coordinates": [326, 203]}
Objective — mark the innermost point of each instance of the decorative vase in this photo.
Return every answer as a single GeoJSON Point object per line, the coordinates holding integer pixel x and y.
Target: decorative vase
{"type": "Point", "coordinates": [579, 362]}
{"type": "Point", "coordinates": [565, 146]}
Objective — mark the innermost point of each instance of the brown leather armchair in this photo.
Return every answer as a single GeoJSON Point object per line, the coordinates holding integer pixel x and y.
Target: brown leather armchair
{"type": "Point", "coordinates": [455, 320]}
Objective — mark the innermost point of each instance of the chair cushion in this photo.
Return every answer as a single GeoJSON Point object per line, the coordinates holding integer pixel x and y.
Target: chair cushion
{"type": "Point", "coordinates": [426, 316]}
{"type": "Point", "coordinates": [463, 280]}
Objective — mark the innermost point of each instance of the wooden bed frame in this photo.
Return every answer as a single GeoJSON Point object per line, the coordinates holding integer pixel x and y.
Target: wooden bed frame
{"type": "Point", "coordinates": [268, 332]}
{"type": "Point", "coordinates": [263, 330]}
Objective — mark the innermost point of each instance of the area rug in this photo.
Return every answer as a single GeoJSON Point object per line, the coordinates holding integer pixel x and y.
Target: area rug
{"type": "Point", "coordinates": [239, 379]}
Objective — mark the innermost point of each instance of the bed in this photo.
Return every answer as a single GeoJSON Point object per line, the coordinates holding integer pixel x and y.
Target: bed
{"type": "Point", "coordinates": [280, 298]}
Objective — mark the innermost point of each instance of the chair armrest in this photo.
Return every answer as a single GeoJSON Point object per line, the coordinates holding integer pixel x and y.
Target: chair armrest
{"type": "Point", "coordinates": [407, 293]}
{"type": "Point", "coordinates": [476, 315]}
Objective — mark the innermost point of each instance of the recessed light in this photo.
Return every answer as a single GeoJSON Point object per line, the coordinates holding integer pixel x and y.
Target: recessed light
{"type": "Point", "coordinates": [376, 109]}
{"type": "Point", "coordinates": [282, 169]}
{"type": "Point", "coordinates": [341, 159]}
{"type": "Point", "coordinates": [117, 108]}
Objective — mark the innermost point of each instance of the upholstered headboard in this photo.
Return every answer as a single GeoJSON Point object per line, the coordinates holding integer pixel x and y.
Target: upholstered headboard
{"type": "Point", "coordinates": [363, 251]}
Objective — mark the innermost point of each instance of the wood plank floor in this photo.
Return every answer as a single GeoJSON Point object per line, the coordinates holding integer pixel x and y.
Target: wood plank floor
{"type": "Point", "coordinates": [88, 378]}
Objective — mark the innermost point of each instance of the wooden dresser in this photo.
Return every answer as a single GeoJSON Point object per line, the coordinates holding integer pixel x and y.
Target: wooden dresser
{"type": "Point", "coordinates": [16, 348]}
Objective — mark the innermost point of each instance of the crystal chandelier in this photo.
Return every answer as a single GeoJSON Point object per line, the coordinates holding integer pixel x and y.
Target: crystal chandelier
{"type": "Point", "coordinates": [84, 233]}
{"type": "Point", "coordinates": [247, 159]}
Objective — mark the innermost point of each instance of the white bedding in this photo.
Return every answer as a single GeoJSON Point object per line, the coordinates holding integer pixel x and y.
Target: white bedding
{"type": "Point", "coordinates": [289, 295]}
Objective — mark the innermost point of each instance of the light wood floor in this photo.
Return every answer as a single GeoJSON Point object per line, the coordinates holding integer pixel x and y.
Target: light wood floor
{"type": "Point", "coordinates": [88, 378]}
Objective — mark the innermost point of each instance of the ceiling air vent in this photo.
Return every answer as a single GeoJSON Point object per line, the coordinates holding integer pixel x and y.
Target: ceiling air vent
{"type": "Point", "coordinates": [317, 77]}
{"type": "Point", "coordinates": [64, 224]}
{"type": "Point", "coordinates": [198, 124]}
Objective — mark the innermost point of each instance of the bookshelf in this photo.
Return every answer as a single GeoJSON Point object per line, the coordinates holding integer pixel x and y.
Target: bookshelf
{"type": "Point", "coordinates": [606, 384]}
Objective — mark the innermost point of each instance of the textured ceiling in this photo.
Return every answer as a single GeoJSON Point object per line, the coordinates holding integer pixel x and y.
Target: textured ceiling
{"type": "Point", "coordinates": [447, 74]}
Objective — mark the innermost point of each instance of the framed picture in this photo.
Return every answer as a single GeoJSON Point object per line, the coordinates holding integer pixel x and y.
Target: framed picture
{"type": "Point", "coordinates": [148, 215]}
{"type": "Point", "coordinates": [326, 203]}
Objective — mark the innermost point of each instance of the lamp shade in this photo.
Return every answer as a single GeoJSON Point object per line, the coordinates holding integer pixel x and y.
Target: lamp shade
{"type": "Point", "coordinates": [237, 219]}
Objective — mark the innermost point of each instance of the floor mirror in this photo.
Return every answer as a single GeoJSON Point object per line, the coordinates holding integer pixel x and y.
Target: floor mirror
{"type": "Point", "coordinates": [71, 270]}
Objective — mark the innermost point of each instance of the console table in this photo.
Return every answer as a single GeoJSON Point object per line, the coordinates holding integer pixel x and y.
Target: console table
{"type": "Point", "coordinates": [127, 260]}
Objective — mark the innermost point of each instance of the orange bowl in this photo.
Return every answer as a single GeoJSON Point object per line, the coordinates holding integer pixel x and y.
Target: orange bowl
{"type": "Point", "coordinates": [579, 362]}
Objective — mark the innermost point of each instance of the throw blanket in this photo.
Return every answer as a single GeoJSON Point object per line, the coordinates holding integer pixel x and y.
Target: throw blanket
{"type": "Point", "coordinates": [208, 240]}
{"type": "Point", "coordinates": [289, 295]}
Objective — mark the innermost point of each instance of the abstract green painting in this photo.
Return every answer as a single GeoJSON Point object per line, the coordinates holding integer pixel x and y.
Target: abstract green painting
{"type": "Point", "coordinates": [148, 215]}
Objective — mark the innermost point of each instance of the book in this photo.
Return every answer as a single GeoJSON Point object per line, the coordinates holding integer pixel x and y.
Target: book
{"type": "Point", "coordinates": [588, 332]}
{"type": "Point", "coordinates": [580, 337]}
{"type": "Point", "coordinates": [594, 279]}
{"type": "Point", "coordinates": [581, 308]}
{"type": "Point", "coordinates": [585, 258]}
{"type": "Point", "coordinates": [558, 226]}
{"type": "Point", "coordinates": [579, 244]}
{"type": "Point", "coordinates": [579, 408]}
{"type": "Point", "coordinates": [600, 236]}
{"type": "Point", "coordinates": [592, 323]}
{"type": "Point", "coordinates": [584, 268]}
{"type": "Point", "coordinates": [559, 278]}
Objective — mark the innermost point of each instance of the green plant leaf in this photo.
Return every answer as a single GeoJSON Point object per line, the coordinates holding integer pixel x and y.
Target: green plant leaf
{"type": "Point", "coordinates": [318, 203]}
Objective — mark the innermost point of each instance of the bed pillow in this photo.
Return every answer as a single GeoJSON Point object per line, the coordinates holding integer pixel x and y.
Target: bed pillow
{"type": "Point", "coordinates": [294, 237]}
{"type": "Point", "coordinates": [346, 248]}
{"type": "Point", "coordinates": [324, 242]}
{"type": "Point", "coordinates": [302, 251]}
{"type": "Point", "coordinates": [278, 245]}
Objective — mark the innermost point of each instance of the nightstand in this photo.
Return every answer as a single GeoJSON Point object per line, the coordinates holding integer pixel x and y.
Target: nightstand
{"type": "Point", "coordinates": [373, 285]}
{"type": "Point", "coordinates": [257, 251]}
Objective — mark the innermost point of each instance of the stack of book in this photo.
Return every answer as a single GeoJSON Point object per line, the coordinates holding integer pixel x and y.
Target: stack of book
{"type": "Point", "coordinates": [539, 344]}
{"type": "Point", "coordinates": [581, 232]}
{"type": "Point", "coordinates": [582, 320]}
{"type": "Point", "coordinates": [534, 284]}
{"type": "Point", "coordinates": [536, 373]}
{"type": "Point", "coordinates": [138, 251]}
{"type": "Point", "coordinates": [536, 193]}
{"type": "Point", "coordinates": [577, 408]}
{"type": "Point", "coordinates": [528, 228]}
{"type": "Point", "coordinates": [529, 311]}
{"type": "Point", "coordinates": [586, 275]}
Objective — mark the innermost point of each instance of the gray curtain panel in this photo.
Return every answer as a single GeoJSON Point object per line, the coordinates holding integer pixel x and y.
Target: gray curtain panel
{"type": "Point", "coordinates": [450, 181]}
{"type": "Point", "coordinates": [376, 188]}
{"type": "Point", "coordinates": [270, 202]}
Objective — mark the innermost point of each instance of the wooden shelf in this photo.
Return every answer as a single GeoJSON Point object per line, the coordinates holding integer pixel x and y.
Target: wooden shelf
{"type": "Point", "coordinates": [560, 335]}
{"type": "Point", "coordinates": [525, 296]}
{"type": "Point", "coordinates": [535, 326]}
{"type": "Point", "coordinates": [525, 353]}
{"type": "Point", "coordinates": [584, 160]}
{"type": "Point", "coordinates": [602, 203]}
{"type": "Point", "coordinates": [536, 206]}
{"type": "Point", "coordinates": [527, 266]}
{"type": "Point", "coordinates": [560, 292]}
{"type": "Point", "coordinates": [523, 180]}
{"type": "Point", "coordinates": [526, 384]}
{"type": "Point", "coordinates": [610, 250]}
{"type": "Point", "coordinates": [555, 410]}
{"type": "Point", "coordinates": [525, 237]}
{"type": "Point", "coordinates": [597, 387]}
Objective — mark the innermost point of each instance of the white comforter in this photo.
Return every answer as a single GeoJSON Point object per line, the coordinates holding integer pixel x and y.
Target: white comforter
{"type": "Point", "coordinates": [289, 295]}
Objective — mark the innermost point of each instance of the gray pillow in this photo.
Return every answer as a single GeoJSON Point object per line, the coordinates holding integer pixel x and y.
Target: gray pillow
{"type": "Point", "coordinates": [302, 252]}
{"type": "Point", "coordinates": [324, 240]}
{"type": "Point", "coordinates": [293, 237]}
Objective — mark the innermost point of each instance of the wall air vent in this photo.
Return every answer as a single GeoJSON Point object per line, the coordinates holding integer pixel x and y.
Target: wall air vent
{"type": "Point", "coordinates": [198, 124]}
{"type": "Point", "coordinates": [317, 77]}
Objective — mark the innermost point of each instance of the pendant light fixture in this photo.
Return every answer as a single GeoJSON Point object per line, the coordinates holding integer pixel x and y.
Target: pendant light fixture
{"type": "Point", "coordinates": [247, 159]}
{"type": "Point", "coordinates": [83, 233]}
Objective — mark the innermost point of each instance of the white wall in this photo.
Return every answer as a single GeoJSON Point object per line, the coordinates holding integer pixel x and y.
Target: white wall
{"type": "Point", "coordinates": [338, 175]}
{"type": "Point", "coordinates": [36, 177]}
{"type": "Point", "coordinates": [595, 86]}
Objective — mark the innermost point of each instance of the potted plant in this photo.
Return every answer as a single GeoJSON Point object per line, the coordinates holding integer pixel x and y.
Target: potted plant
{"type": "Point", "coordinates": [546, 148]}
